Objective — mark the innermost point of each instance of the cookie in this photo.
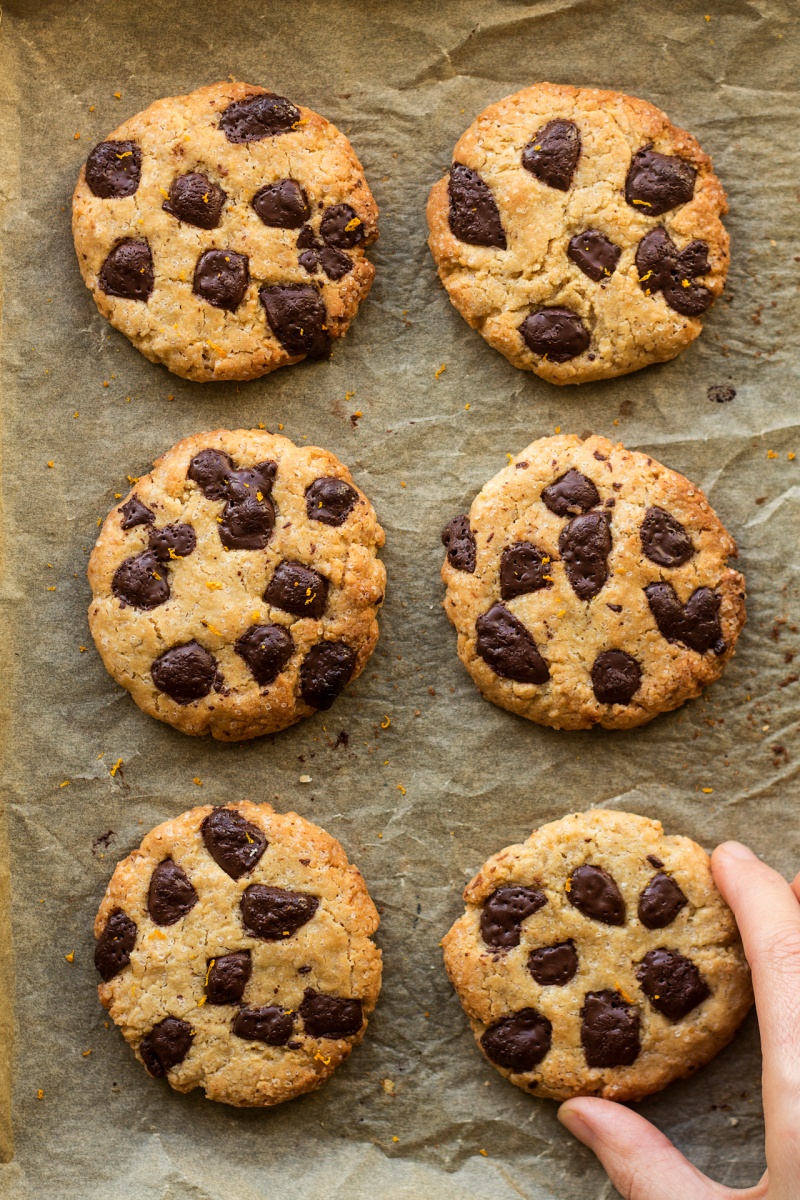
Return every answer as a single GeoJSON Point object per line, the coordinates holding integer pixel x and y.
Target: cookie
{"type": "Point", "coordinates": [235, 951]}
{"type": "Point", "coordinates": [589, 585]}
{"type": "Point", "coordinates": [236, 588]}
{"type": "Point", "coordinates": [598, 958]}
{"type": "Point", "coordinates": [224, 232]}
{"type": "Point", "coordinates": [579, 231]}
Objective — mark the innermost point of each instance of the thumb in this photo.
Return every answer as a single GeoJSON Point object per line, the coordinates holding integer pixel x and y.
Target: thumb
{"type": "Point", "coordinates": [640, 1161]}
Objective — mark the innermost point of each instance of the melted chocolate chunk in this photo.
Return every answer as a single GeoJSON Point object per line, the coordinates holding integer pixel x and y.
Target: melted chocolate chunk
{"type": "Point", "coordinates": [596, 256]}
{"type": "Point", "coordinates": [696, 623]}
{"type": "Point", "coordinates": [552, 154]}
{"type": "Point", "coordinates": [459, 539]}
{"type": "Point", "coordinates": [298, 590]}
{"type": "Point", "coordinates": [330, 500]}
{"type": "Point", "coordinates": [141, 582]}
{"type": "Point", "coordinates": [474, 215]}
{"type": "Point", "coordinates": [297, 316]}
{"type": "Point", "coordinates": [571, 494]}
{"type": "Point", "coordinates": [309, 261]}
{"type": "Point", "coordinates": [327, 1016]}
{"type": "Point", "coordinates": [308, 240]}
{"type": "Point", "coordinates": [662, 269]}
{"type": "Point", "coordinates": [523, 569]}
{"type": "Point", "coordinates": [249, 516]}
{"type": "Point", "coordinates": [654, 860]}
{"type": "Point", "coordinates": [518, 1042]}
{"type": "Point", "coordinates": [136, 513]}
{"type": "Point", "coordinates": [266, 649]}
{"type": "Point", "coordinates": [227, 976]}
{"type": "Point", "coordinates": [114, 946]}
{"type": "Point", "coordinates": [270, 1024]}
{"type": "Point", "coordinates": [506, 645]}
{"type": "Point", "coordinates": [173, 541]}
{"type": "Point", "coordinates": [553, 966]}
{"type": "Point", "coordinates": [166, 1045]}
{"type": "Point", "coordinates": [335, 263]}
{"type": "Point", "coordinates": [585, 544]}
{"type": "Point", "coordinates": [672, 983]}
{"type": "Point", "coordinates": [185, 673]}
{"type": "Point", "coordinates": [273, 913]}
{"type": "Point", "coordinates": [341, 227]}
{"type": "Point", "coordinates": [282, 205]}
{"type": "Point", "coordinates": [113, 170]}
{"type": "Point", "coordinates": [210, 470]}
{"type": "Point", "coordinates": [248, 524]}
{"type": "Point", "coordinates": [258, 117]}
{"type": "Point", "coordinates": [658, 182]}
{"type": "Point", "coordinates": [326, 669]}
{"type": "Point", "coordinates": [616, 677]}
{"type": "Point", "coordinates": [664, 539]}
{"type": "Point", "coordinates": [234, 844]}
{"type": "Point", "coordinates": [504, 912]}
{"type": "Point", "coordinates": [221, 278]}
{"type": "Point", "coordinates": [660, 902]}
{"type": "Point", "coordinates": [595, 893]}
{"type": "Point", "coordinates": [555, 333]}
{"type": "Point", "coordinates": [609, 1030]}
{"type": "Point", "coordinates": [171, 895]}
{"type": "Point", "coordinates": [128, 271]}
{"type": "Point", "coordinates": [195, 200]}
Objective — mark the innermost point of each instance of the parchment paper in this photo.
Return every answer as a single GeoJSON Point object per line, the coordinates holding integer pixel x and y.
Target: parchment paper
{"type": "Point", "coordinates": [451, 779]}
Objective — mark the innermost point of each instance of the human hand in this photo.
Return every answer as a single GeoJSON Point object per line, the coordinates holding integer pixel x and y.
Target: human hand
{"type": "Point", "coordinates": [641, 1162]}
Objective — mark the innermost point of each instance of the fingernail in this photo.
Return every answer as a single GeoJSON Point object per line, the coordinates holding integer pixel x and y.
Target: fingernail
{"type": "Point", "coordinates": [574, 1123]}
{"type": "Point", "coordinates": [736, 850]}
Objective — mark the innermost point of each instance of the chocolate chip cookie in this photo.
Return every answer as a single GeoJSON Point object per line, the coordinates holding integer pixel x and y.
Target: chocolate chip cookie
{"type": "Point", "coordinates": [236, 588]}
{"type": "Point", "coordinates": [598, 958]}
{"type": "Point", "coordinates": [224, 232]}
{"type": "Point", "coordinates": [235, 951]}
{"type": "Point", "coordinates": [579, 231]}
{"type": "Point", "coordinates": [589, 585]}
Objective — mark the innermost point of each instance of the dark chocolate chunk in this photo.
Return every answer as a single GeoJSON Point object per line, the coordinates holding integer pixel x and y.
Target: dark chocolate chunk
{"type": "Point", "coordinates": [327, 1016]}
{"type": "Point", "coordinates": [330, 500]}
{"type": "Point", "coordinates": [523, 569]}
{"type": "Point", "coordinates": [234, 844]}
{"type": "Point", "coordinates": [113, 170]}
{"type": "Point", "coordinates": [335, 263]}
{"type": "Point", "coordinates": [658, 182]}
{"type": "Point", "coordinates": [654, 860]}
{"type": "Point", "coordinates": [128, 271]}
{"type": "Point", "coordinates": [297, 316]}
{"type": "Point", "coordinates": [459, 539]}
{"type": "Point", "coordinates": [309, 261]}
{"type": "Point", "coordinates": [258, 117]}
{"type": "Point", "coordinates": [249, 516]}
{"type": "Point", "coordinates": [141, 581]}
{"type": "Point", "coordinates": [616, 677]}
{"type": "Point", "coordinates": [506, 645]}
{"type": "Point", "coordinates": [185, 673]}
{"type": "Point", "coordinates": [166, 1045]}
{"type": "Point", "coordinates": [325, 671]}
{"type": "Point", "coordinates": [247, 524]}
{"type": "Point", "coordinates": [341, 227]}
{"type": "Point", "coordinates": [518, 1042]}
{"type": "Point", "coordinates": [662, 269]}
{"type": "Point", "coordinates": [282, 205]}
{"type": "Point", "coordinates": [308, 240]}
{"type": "Point", "coordinates": [504, 912]}
{"type": "Point", "coordinates": [672, 983]}
{"type": "Point", "coordinates": [170, 895]}
{"type": "Point", "coordinates": [195, 200]}
{"type": "Point", "coordinates": [552, 154]}
{"type": "Point", "coordinates": [173, 541]}
{"type": "Point", "coordinates": [572, 493]}
{"type": "Point", "coordinates": [136, 513]}
{"type": "Point", "coordinates": [609, 1030]}
{"type": "Point", "coordinates": [696, 623]}
{"type": "Point", "coordinates": [210, 470]}
{"type": "Point", "coordinates": [273, 913]}
{"type": "Point", "coordinates": [474, 215]}
{"type": "Point", "coordinates": [266, 649]}
{"type": "Point", "coordinates": [555, 333]}
{"type": "Point", "coordinates": [595, 893]}
{"type": "Point", "coordinates": [221, 278]}
{"type": "Point", "coordinates": [114, 946]}
{"type": "Point", "coordinates": [298, 590]}
{"type": "Point", "coordinates": [660, 902]}
{"type": "Point", "coordinates": [596, 256]}
{"type": "Point", "coordinates": [664, 539]}
{"type": "Point", "coordinates": [721, 394]}
{"type": "Point", "coordinates": [585, 544]}
{"type": "Point", "coordinates": [270, 1024]}
{"type": "Point", "coordinates": [227, 976]}
{"type": "Point", "coordinates": [553, 966]}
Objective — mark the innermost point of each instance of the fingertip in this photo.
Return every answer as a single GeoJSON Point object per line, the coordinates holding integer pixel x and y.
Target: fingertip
{"type": "Point", "coordinates": [734, 850]}
{"type": "Point", "coordinates": [571, 1117]}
